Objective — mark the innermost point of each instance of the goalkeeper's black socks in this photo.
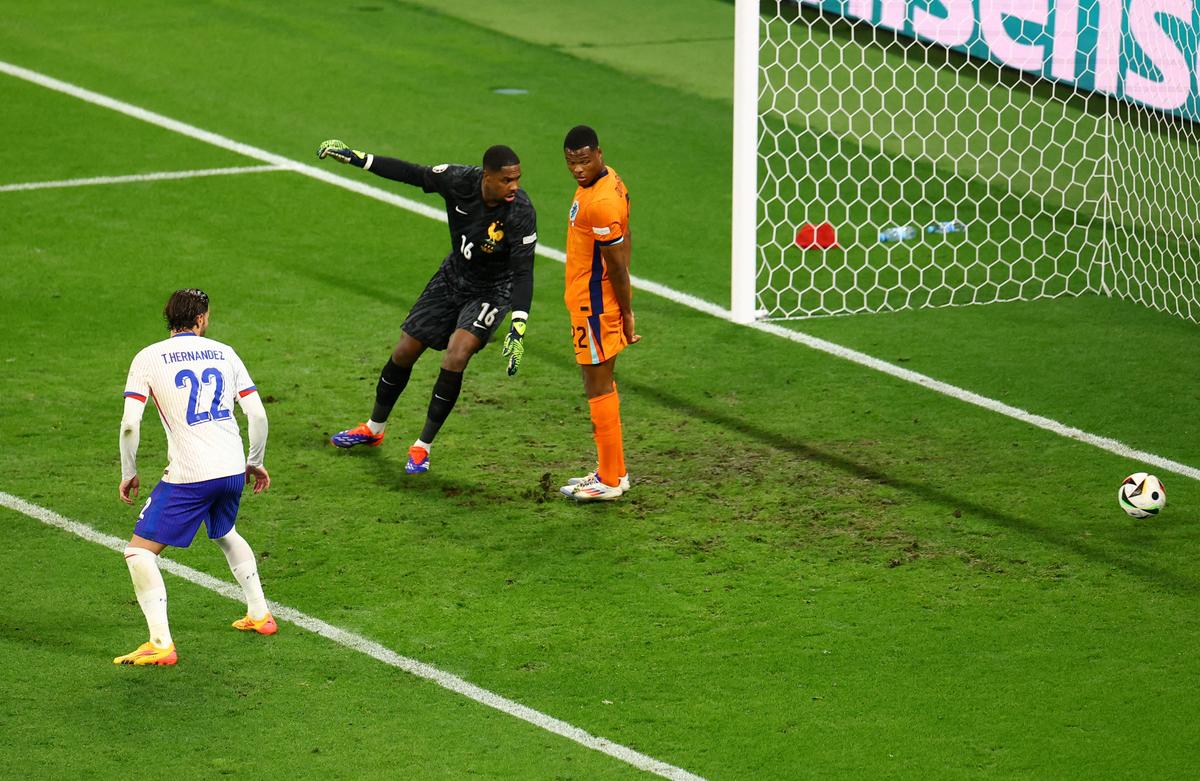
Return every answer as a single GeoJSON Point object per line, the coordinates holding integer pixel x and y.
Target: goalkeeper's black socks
{"type": "Point", "coordinates": [445, 394]}
{"type": "Point", "coordinates": [392, 380]}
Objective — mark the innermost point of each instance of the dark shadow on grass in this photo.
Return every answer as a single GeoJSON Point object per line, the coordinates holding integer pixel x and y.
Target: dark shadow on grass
{"type": "Point", "coordinates": [446, 485]}
{"type": "Point", "coordinates": [630, 386]}
{"type": "Point", "coordinates": [352, 284]}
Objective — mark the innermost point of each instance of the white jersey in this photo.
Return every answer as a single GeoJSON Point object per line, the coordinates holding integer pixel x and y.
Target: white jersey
{"type": "Point", "coordinates": [194, 382]}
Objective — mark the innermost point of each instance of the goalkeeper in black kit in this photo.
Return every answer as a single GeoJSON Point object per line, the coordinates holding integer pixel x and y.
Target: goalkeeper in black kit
{"type": "Point", "coordinates": [489, 271]}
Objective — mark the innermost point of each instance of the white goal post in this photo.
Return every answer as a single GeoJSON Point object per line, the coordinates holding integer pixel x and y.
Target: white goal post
{"type": "Point", "coordinates": [896, 154]}
{"type": "Point", "coordinates": [744, 285]}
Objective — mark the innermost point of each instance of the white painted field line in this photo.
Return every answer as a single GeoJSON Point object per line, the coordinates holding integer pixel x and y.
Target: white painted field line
{"type": "Point", "coordinates": [1070, 432]}
{"type": "Point", "coordinates": [361, 644]}
{"type": "Point", "coordinates": [685, 299]}
{"type": "Point", "coordinates": [154, 177]}
{"type": "Point", "coordinates": [214, 139]}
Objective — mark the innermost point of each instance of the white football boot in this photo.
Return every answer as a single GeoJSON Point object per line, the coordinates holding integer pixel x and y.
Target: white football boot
{"type": "Point", "coordinates": [571, 481]}
{"type": "Point", "coordinates": [590, 489]}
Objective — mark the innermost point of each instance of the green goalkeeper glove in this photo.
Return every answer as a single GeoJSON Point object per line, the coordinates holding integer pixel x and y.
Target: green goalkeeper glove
{"type": "Point", "coordinates": [514, 346]}
{"type": "Point", "coordinates": [339, 151]}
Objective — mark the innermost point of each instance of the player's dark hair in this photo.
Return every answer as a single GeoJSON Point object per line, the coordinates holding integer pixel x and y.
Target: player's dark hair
{"type": "Point", "coordinates": [498, 157]}
{"type": "Point", "coordinates": [184, 308]}
{"type": "Point", "coordinates": [580, 136]}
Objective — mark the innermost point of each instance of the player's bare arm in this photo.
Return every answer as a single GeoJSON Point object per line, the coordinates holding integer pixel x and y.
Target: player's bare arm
{"type": "Point", "coordinates": [616, 261]}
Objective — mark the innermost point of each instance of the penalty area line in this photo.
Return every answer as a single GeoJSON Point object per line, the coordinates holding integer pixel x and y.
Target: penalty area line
{"type": "Point", "coordinates": [159, 176]}
{"type": "Point", "coordinates": [363, 645]}
{"type": "Point", "coordinates": [678, 297]}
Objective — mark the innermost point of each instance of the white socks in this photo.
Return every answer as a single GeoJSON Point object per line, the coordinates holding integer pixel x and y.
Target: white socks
{"type": "Point", "coordinates": [427, 445]}
{"type": "Point", "coordinates": [151, 593]}
{"type": "Point", "coordinates": [376, 428]}
{"type": "Point", "coordinates": [245, 572]}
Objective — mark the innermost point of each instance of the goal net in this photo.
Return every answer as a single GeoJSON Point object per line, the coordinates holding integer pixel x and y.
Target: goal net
{"type": "Point", "coordinates": [923, 153]}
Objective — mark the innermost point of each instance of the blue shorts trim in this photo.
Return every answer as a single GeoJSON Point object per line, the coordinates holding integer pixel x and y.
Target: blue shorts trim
{"type": "Point", "coordinates": [174, 511]}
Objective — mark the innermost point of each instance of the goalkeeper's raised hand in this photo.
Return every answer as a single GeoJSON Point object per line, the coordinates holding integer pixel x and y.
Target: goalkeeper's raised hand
{"type": "Point", "coordinates": [339, 151]}
{"type": "Point", "coordinates": [514, 346]}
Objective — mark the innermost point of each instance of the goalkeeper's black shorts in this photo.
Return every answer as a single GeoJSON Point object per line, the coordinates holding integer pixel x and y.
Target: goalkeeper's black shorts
{"type": "Point", "coordinates": [445, 306]}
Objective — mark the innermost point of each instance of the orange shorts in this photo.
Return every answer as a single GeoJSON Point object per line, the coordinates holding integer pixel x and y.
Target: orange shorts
{"type": "Point", "coordinates": [597, 338]}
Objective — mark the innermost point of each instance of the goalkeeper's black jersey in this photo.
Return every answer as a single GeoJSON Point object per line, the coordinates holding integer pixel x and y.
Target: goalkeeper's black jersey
{"type": "Point", "coordinates": [489, 246]}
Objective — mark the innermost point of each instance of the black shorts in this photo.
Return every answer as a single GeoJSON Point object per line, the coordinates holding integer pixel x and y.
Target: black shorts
{"type": "Point", "coordinates": [445, 307]}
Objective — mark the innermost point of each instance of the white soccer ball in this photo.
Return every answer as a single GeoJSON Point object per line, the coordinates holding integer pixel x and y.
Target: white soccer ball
{"type": "Point", "coordinates": [1142, 495]}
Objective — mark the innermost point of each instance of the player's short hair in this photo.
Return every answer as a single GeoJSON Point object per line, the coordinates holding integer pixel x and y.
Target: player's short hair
{"type": "Point", "coordinates": [499, 156]}
{"type": "Point", "coordinates": [581, 136]}
{"type": "Point", "coordinates": [184, 308]}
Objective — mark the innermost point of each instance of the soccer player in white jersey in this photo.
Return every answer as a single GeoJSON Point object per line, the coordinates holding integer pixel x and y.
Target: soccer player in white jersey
{"type": "Point", "coordinates": [194, 382]}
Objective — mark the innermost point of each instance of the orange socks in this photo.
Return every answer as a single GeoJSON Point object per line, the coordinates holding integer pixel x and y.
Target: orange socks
{"type": "Point", "coordinates": [606, 429]}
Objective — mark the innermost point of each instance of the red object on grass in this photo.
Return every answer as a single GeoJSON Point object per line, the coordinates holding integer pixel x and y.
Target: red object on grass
{"type": "Point", "coordinates": [826, 236]}
{"type": "Point", "coordinates": [821, 236]}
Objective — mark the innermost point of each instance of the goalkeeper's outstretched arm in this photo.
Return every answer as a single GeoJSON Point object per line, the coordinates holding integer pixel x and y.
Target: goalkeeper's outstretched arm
{"type": "Point", "coordinates": [387, 167]}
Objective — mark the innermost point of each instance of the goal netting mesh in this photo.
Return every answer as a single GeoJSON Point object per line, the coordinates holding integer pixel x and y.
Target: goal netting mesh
{"type": "Point", "coordinates": [946, 178]}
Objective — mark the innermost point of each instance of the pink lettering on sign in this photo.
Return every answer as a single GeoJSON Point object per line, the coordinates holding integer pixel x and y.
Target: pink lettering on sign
{"type": "Point", "coordinates": [1066, 39]}
{"type": "Point", "coordinates": [1108, 46]}
{"type": "Point", "coordinates": [892, 13]}
{"type": "Point", "coordinates": [860, 8]}
{"type": "Point", "coordinates": [1170, 91]}
{"type": "Point", "coordinates": [953, 29]}
{"type": "Point", "coordinates": [1026, 56]}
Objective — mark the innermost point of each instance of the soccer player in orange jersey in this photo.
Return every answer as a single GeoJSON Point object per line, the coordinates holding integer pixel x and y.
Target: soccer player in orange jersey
{"type": "Point", "coordinates": [598, 298]}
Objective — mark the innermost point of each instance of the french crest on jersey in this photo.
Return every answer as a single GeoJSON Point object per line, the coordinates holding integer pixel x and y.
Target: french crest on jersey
{"type": "Point", "coordinates": [495, 233]}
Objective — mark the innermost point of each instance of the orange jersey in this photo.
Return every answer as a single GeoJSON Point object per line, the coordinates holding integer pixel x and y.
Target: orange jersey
{"type": "Point", "coordinates": [599, 216]}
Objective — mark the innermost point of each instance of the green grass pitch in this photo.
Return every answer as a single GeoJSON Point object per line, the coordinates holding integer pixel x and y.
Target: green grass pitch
{"type": "Point", "coordinates": [821, 571]}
